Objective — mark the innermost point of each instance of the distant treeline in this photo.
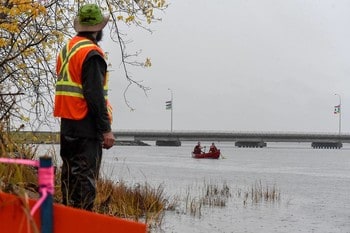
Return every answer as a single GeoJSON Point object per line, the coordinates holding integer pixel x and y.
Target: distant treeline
{"type": "Point", "coordinates": [30, 137]}
{"type": "Point", "coordinates": [46, 137]}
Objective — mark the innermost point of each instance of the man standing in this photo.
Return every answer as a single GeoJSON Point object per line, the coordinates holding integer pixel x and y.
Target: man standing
{"type": "Point", "coordinates": [81, 103]}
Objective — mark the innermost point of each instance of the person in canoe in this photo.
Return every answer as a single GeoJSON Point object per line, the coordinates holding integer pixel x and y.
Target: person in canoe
{"type": "Point", "coordinates": [198, 149]}
{"type": "Point", "coordinates": [213, 148]}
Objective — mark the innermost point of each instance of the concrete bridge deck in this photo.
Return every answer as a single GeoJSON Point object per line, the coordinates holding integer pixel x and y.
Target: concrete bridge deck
{"type": "Point", "coordinates": [166, 138]}
{"type": "Point", "coordinates": [231, 136]}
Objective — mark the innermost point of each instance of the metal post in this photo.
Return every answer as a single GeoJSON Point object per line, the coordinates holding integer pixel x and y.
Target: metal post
{"type": "Point", "coordinates": [172, 106]}
{"type": "Point", "coordinates": [47, 205]}
{"type": "Point", "coordinates": [339, 113]}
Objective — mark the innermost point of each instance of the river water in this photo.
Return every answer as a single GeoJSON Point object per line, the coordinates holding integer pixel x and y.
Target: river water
{"type": "Point", "coordinates": [313, 186]}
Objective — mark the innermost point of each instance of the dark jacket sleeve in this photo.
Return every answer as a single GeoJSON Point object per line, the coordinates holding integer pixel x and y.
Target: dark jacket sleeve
{"type": "Point", "coordinates": [93, 72]}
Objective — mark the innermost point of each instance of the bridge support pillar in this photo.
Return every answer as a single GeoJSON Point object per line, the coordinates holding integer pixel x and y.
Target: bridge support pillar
{"type": "Point", "coordinates": [168, 142]}
{"type": "Point", "coordinates": [250, 144]}
{"type": "Point", "coordinates": [327, 145]}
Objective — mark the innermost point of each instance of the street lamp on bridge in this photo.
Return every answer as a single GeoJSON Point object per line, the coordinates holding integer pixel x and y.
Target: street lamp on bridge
{"type": "Point", "coordinates": [337, 110]}
{"type": "Point", "coordinates": [169, 106]}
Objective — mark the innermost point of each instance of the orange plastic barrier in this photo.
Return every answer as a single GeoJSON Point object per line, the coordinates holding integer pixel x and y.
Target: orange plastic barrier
{"type": "Point", "coordinates": [15, 218]}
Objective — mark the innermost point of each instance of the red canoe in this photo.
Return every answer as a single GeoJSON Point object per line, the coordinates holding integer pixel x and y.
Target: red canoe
{"type": "Point", "coordinates": [211, 155]}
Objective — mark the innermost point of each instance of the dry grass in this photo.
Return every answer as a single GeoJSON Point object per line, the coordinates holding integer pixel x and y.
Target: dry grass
{"type": "Point", "coordinates": [258, 194]}
{"type": "Point", "coordinates": [212, 195]}
{"type": "Point", "coordinates": [193, 205]}
{"type": "Point", "coordinates": [138, 202]}
{"type": "Point", "coordinates": [30, 137]}
{"type": "Point", "coordinates": [17, 178]}
{"type": "Point", "coordinates": [216, 196]}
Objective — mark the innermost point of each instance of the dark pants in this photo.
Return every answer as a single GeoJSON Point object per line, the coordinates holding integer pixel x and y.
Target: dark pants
{"type": "Point", "coordinates": [81, 164]}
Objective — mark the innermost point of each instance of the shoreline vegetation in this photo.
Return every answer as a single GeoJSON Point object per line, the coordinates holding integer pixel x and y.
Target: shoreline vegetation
{"type": "Point", "coordinates": [139, 202]}
{"type": "Point", "coordinates": [42, 137]}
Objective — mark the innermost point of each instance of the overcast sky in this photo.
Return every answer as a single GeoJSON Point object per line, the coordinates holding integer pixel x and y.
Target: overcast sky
{"type": "Point", "coordinates": [240, 65]}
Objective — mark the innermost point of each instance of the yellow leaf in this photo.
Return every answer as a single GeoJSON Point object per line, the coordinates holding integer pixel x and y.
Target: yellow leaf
{"type": "Point", "coordinates": [148, 62]}
{"type": "Point", "coordinates": [130, 19]}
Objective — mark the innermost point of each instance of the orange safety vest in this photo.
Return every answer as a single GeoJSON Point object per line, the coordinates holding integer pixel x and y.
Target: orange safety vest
{"type": "Point", "coordinates": [69, 100]}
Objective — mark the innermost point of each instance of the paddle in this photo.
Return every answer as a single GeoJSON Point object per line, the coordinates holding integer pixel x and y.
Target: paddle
{"type": "Point", "coordinates": [222, 156]}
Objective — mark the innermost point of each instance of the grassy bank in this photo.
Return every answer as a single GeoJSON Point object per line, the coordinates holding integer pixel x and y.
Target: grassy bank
{"type": "Point", "coordinates": [30, 137]}
{"type": "Point", "coordinates": [42, 137]}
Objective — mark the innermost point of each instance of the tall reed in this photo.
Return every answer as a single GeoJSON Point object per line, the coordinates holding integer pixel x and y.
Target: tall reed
{"type": "Point", "coordinates": [258, 193]}
{"type": "Point", "coordinates": [211, 195]}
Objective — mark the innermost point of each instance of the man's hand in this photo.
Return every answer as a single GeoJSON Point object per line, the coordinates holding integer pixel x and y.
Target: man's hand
{"type": "Point", "coordinates": [108, 140]}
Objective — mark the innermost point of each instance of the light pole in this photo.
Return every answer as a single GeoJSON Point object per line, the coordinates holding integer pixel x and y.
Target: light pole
{"type": "Point", "coordinates": [171, 109]}
{"type": "Point", "coordinates": [339, 111]}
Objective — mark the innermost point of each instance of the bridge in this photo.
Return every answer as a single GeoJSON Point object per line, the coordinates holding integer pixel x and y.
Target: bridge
{"type": "Point", "coordinates": [241, 138]}
{"type": "Point", "coordinates": [174, 138]}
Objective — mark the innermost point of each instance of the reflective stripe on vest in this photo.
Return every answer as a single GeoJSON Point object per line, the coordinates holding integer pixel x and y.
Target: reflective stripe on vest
{"type": "Point", "coordinates": [64, 84]}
